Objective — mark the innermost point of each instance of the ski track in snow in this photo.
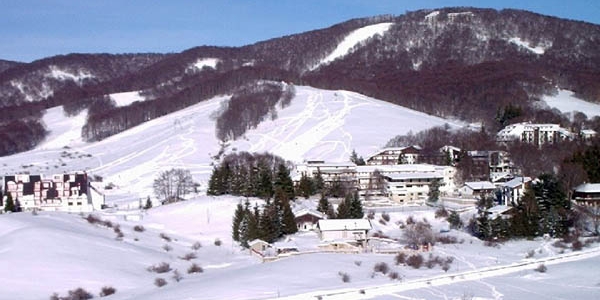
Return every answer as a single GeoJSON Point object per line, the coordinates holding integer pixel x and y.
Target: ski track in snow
{"type": "Point", "coordinates": [439, 280]}
{"type": "Point", "coordinates": [318, 124]}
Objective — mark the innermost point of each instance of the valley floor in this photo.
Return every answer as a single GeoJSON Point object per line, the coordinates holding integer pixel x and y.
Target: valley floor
{"type": "Point", "coordinates": [56, 252]}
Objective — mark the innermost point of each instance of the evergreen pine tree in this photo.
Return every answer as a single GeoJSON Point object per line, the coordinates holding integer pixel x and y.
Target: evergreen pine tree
{"type": "Point", "coordinates": [319, 183]}
{"type": "Point", "coordinates": [265, 184]}
{"type": "Point", "coordinates": [305, 187]}
{"type": "Point", "coordinates": [434, 191]}
{"type": "Point", "coordinates": [148, 204]}
{"type": "Point", "coordinates": [243, 230]}
{"type": "Point", "coordinates": [284, 182]}
{"type": "Point", "coordinates": [237, 219]}
{"type": "Point", "coordinates": [213, 182]}
{"type": "Point", "coordinates": [356, 209]}
{"type": "Point", "coordinates": [323, 205]}
{"type": "Point", "coordinates": [289, 220]}
{"type": "Point", "coordinates": [9, 205]}
{"type": "Point", "coordinates": [267, 230]}
{"type": "Point", "coordinates": [253, 224]}
{"type": "Point", "coordinates": [343, 210]}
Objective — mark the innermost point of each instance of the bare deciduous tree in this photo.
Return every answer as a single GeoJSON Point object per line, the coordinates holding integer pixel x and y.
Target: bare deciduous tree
{"type": "Point", "coordinates": [173, 184]}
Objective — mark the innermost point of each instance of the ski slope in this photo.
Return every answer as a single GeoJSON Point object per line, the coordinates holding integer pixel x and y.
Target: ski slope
{"type": "Point", "coordinates": [353, 39]}
{"type": "Point", "coordinates": [318, 124]}
{"type": "Point", "coordinates": [566, 102]}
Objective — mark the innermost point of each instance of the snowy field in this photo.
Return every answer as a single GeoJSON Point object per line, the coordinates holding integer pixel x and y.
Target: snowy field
{"type": "Point", "coordinates": [56, 252]}
{"type": "Point", "coordinates": [319, 124]}
{"type": "Point", "coordinates": [567, 103]}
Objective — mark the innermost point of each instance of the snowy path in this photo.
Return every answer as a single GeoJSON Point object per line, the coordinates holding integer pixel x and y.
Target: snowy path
{"type": "Point", "coordinates": [473, 275]}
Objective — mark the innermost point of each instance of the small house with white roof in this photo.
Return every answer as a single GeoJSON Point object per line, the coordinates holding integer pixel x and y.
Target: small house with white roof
{"type": "Point", "coordinates": [307, 219]}
{"type": "Point", "coordinates": [587, 194]}
{"type": "Point", "coordinates": [477, 188]}
{"type": "Point", "coordinates": [343, 229]}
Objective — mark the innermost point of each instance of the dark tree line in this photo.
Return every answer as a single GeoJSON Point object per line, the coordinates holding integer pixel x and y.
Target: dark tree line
{"type": "Point", "coordinates": [272, 223]}
{"type": "Point", "coordinates": [543, 209]}
{"type": "Point", "coordinates": [249, 106]}
{"type": "Point", "coordinates": [20, 135]}
{"type": "Point", "coordinates": [251, 175]}
{"type": "Point", "coordinates": [112, 121]}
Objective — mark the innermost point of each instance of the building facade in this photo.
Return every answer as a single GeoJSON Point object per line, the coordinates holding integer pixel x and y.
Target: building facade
{"type": "Point", "coordinates": [59, 192]}
{"type": "Point", "coordinates": [537, 134]}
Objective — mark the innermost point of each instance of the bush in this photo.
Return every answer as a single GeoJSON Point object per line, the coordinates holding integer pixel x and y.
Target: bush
{"type": "Point", "coordinates": [196, 246]}
{"type": "Point", "coordinates": [163, 267]}
{"type": "Point", "coordinates": [385, 216]}
{"type": "Point", "coordinates": [415, 261]}
{"type": "Point", "coordinates": [92, 219]}
{"type": "Point", "coordinates": [447, 239]}
{"type": "Point", "coordinates": [441, 213]}
{"type": "Point", "coordinates": [345, 277]}
{"type": "Point", "coordinates": [577, 245]}
{"type": "Point", "coordinates": [381, 267]}
{"type": "Point", "coordinates": [160, 282]}
{"type": "Point", "coordinates": [189, 256]}
{"type": "Point", "coordinates": [560, 244]}
{"type": "Point", "coordinates": [117, 230]}
{"type": "Point", "coordinates": [218, 242]}
{"type": "Point", "coordinates": [165, 237]}
{"type": "Point", "coordinates": [358, 263]}
{"type": "Point", "coordinates": [400, 258]}
{"type": "Point", "coordinates": [167, 247]}
{"type": "Point", "coordinates": [382, 222]}
{"type": "Point", "coordinates": [139, 228]}
{"type": "Point", "coordinates": [107, 291]}
{"type": "Point", "coordinates": [194, 268]}
{"type": "Point", "coordinates": [371, 215]}
{"type": "Point", "coordinates": [410, 220]}
{"type": "Point", "coordinates": [394, 275]}
{"type": "Point", "coordinates": [76, 294]}
{"type": "Point", "coordinates": [541, 268]}
{"type": "Point", "coordinates": [454, 220]}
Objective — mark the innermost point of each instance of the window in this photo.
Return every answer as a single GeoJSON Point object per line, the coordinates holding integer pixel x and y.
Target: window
{"type": "Point", "coordinates": [70, 203]}
{"type": "Point", "coordinates": [78, 203]}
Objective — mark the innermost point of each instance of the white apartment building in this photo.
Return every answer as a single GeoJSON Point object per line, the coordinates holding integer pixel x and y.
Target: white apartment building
{"type": "Point", "coordinates": [537, 134]}
{"type": "Point", "coordinates": [395, 155]}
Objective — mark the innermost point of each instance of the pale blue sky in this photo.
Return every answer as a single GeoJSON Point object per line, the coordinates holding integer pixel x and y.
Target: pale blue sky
{"type": "Point", "coordinates": [33, 29]}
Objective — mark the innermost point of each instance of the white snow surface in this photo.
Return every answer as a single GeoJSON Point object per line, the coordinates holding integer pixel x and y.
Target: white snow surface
{"type": "Point", "coordinates": [57, 73]}
{"type": "Point", "coordinates": [126, 98]}
{"type": "Point", "coordinates": [205, 62]}
{"type": "Point", "coordinates": [566, 102]}
{"type": "Point", "coordinates": [318, 124]}
{"type": "Point", "coordinates": [57, 252]}
{"type": "Point", "coordinates": [355, 38]}
{"type": "Point", "coordinates": [521, 43]}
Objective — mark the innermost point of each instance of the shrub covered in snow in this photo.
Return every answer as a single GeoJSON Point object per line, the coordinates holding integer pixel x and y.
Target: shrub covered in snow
{"type": "Point", "coordinates": [194, 268]}
{"type": "Point", "coordinates": [163, 267]}
{"type": "Point", "coordinates": [160, 282]}
{"type": "Point", "coordinates": [107, 291]}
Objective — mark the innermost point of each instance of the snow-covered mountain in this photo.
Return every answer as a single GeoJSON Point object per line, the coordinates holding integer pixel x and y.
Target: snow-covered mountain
{"type": "Point", "coordinates": [463, 63]}
{"type": "Point", "coordinates": [317, 124]}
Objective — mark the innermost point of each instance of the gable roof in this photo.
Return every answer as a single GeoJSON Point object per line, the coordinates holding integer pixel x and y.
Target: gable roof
{"type": "Point", "coordinates": [515, 182]}
{"type": "Point", "coordinates": [344, 224]}
{"type": "Point", "coordinates": [480, 185]}
{"type": "Point", "coordinates": [306, 211]}
{"type": "Point", "coordinates": [588, 188]}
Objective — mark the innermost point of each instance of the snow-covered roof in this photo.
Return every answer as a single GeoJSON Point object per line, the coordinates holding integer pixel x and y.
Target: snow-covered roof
{"type": "Point", "coordinates": [305, 211]}
{"type": "Point", "coordinates": [499, 210]}
{"type": "Point", "coordinates": [516, 182]}
{"type": "Point", "coordinates": [257, 241]}
{"type": "Point", "coordinates": [588, 132]}
{"type": "Point", "coordinates": [397, 168]}
{"type": "Point", "coordinates": [414, 175]}
{"type": "Point", "coordinates": [588, 188]}
{"type": "Point", "coordinates": [344, 224]}
{"type": "Point", "coordinates": [480, 185]}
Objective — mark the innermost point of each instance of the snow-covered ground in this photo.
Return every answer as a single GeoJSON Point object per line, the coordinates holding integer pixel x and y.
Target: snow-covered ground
{"type": "Point", "coordinates": [524, 44]}
{"type": "Point", "coordinates": [126, 98]}
{"type": "Point", "coordinates": [318, 124]}
{"type": "Point", "coordinates": [566, 102]}
{"type": "Point", "coordinates": [57, 252]}
{"type": "Point", "coordinates": [353, 39]}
